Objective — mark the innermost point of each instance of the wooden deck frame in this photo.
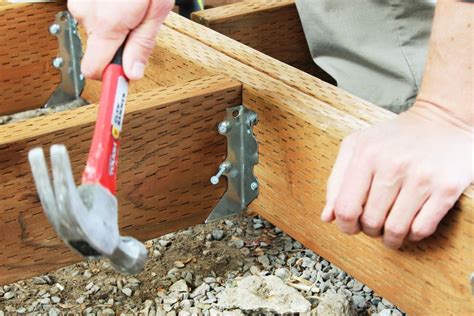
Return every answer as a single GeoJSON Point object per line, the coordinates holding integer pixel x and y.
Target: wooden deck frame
{"type": "Point", "coordinates": [302, 121]}
{"type": "Point", "coordinates": [170, 149]}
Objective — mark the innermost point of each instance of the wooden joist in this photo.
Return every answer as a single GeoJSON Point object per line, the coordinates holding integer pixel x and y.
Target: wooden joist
{"type": "Point", "coordinates": [269, 26]}
{"type": "Point", "coordinates": [170, 149]}
{"type": "Point", "coordinates": [302, 122]}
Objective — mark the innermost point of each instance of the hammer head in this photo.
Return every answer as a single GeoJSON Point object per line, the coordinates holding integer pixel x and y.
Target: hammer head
{"type": "Point", "coordinates": [84, 217]}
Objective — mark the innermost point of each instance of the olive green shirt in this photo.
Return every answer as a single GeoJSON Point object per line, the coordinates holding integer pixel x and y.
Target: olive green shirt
{"type": "Point", "coordinates": [375, 49]}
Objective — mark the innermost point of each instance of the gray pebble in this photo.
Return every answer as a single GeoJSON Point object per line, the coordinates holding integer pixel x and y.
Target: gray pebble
{"type": "Point", "coordinates": [264, 260]}
{"type": "Point", "coordinates": [359, 301]}
{"type": "Point", "coordinates": [323, 287]}
{"type": "Point", "coordinates": [164, 242]}
{"type": "Point", "coordinates": [185, 304]}
{"type": "Point", "coordinates": [9, 295]}
{"type": "Point", "coordinates": [127, 291]}
{"type": "Point", "coordinates": [308, 263]}
{"type": "Point", "coordinates": [170, 300]}
{"type": "Point", "coordinates": [297, 245]}
{"type": "Point", "coordinates": [80, 300]}
{"type": "Point", "coordinates": [39, 281]}
{"type": "Point", "coordinates": [200, 290]}
{"type": "Point", "coordinates": [236, 243]}
{"type": "Point", "coordinates": [282, 273]}
{"type": "Point", "coordinates": [357, 286]}
{"type": "Point", "coordinates": [55, 299]}
{"type": "Point", "coordinates": [108, 311]}
{"type": "Point", "coordinates": [257, 226]}
{"type": "Point", "coordinates": [217, 234]}
{"type": "Point", "coordinates": [21, 310]}
{"type": "Point", "coordinates": [306, 274]}
{"type": "Point", "coordinates": [254, 270]}
{"type": "Point", "coordinates": [54, 312]}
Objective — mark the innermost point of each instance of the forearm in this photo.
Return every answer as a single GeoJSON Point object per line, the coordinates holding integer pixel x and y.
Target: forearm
{"type": "Point", "coordinates": [447, 85]}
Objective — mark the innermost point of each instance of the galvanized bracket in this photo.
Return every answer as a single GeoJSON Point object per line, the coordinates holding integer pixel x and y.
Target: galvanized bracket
{"type": "Point", "coordinates": [242, 156]}
{"type": "Point", "coordinates": [68, 62]}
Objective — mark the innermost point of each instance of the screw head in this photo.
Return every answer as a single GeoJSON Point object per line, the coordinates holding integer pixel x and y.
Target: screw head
{"type": "Point", "coordinates": [58, 62]}
{"type": "Point", "coordinates": [224, 128]}
{"type": "Point", "coordinates": [254, 186]}
{"type": "Point", "coordinates": [214, 180]}
{"type": "Point", "coordinates": [54, 29]}
{"type": "Point", "coordinates": [252, 119]}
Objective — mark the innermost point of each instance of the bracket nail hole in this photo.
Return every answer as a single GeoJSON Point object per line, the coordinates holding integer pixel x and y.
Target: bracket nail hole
{"type": "Point", "coordinates": [235, 114]}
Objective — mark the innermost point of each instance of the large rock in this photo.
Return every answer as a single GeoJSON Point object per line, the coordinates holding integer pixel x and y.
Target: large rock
{"type": "Point", "coordinates": [263, 294]}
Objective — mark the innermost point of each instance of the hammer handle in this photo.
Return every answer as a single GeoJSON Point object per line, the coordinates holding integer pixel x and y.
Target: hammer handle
{"type": "Point", "coordinates": [102, 162]}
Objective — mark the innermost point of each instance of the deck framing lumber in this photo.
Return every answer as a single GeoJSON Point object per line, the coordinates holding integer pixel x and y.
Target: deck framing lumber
{"type": "Point", "coordinates": [302, 122]}
{"type": "Point", "coordinates": [27, 78]}
{"type": "Point", "coordinates": [170, 149]}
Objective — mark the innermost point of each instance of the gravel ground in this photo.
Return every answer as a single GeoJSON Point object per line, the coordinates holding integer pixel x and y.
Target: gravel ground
{"type": "Point", "coordinates": [242, 265]}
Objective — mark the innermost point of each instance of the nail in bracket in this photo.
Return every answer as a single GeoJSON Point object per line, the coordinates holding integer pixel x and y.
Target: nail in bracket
{"type": "Point", "coordinates": [68, 62]}
{"type": "Point", "coordinates": [242, 156]}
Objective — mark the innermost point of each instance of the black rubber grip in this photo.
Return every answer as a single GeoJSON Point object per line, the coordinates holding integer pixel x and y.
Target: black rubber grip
{"type": "Point", "coordinates": [118, 58]}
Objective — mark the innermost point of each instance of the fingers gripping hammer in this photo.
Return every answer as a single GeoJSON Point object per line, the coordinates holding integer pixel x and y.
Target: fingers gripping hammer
{"type": "Point", "coordinates": [86, 217]}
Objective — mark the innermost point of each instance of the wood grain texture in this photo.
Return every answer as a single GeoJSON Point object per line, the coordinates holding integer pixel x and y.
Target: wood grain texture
{"type": "Point", "coordinates": [302, 123]}
{"type": "Point", "coordinates": [170, 149]}
{"type": "Point", "coordinates": [27, 78]}
{"type": "Point", "coordinates": [276, 69]}
{"type": "Point", "coordinates": [272, 27]}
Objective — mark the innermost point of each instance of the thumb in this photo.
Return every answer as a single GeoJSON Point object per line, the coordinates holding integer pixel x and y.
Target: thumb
{"type": "Point", "coordinates": [140, 44]}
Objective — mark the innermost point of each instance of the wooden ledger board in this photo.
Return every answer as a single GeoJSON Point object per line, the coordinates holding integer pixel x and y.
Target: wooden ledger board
{"type": "Point", "coordinates": [302, 122]}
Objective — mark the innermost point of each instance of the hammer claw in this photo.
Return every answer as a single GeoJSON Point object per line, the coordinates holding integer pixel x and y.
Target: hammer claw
{"type": "Point", "coordinates": [43, 184]}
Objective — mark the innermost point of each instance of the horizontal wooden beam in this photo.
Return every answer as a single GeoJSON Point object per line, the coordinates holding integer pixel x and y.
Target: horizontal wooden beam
{"type": "Point", "coordinates": [170, 149]}
{"type": "Point", "coordinates": [272, 27]}
{"type": "Point", "coordinates": [302, 122]}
